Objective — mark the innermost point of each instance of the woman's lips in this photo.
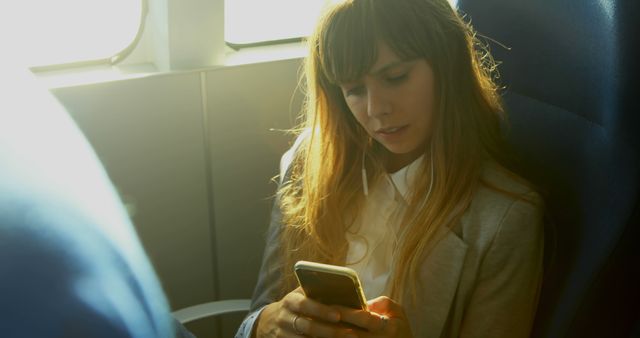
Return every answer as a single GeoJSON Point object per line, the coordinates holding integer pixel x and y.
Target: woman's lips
{"type": "Point", "coordinates": [390, 130]}
{"type": "Point", "coordinates": [391, 134]}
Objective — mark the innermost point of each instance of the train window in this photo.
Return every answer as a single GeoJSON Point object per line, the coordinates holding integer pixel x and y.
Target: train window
{"type": "Point", "coordinates": [251, 22]}
{"type": "Point", "coordinates": [258, 22]}
{"type": "Point", "coordinates": [71, 31]}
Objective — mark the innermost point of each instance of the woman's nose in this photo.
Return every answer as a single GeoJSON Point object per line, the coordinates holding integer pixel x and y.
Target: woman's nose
{"type": "Point", "coordinates": [377, 103]}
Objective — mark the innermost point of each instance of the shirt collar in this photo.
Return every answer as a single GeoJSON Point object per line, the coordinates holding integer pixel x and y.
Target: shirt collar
{"type": "Point", "coordinates": [403, 179]}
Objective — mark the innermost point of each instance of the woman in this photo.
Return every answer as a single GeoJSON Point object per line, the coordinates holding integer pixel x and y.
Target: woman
{"type": "Point", "coordinates": [401, 174]}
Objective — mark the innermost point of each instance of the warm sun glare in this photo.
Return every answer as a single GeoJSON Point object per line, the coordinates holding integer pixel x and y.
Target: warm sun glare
{"type": "Point", "coordinates": [53, 32]}
{"type": "Point", "coordinates": [249, 21]}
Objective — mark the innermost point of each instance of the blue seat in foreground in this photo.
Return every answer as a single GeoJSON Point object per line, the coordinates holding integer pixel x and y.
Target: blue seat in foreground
{"type": "Point", "coordinates": [71, 264]}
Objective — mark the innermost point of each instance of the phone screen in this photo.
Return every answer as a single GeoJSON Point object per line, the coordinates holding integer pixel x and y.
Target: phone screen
{"type": "Point", "coordinates": [330, 288]}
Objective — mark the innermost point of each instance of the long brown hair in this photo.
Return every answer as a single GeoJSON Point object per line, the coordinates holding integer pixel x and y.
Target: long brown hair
{"type": "Point", "coordinates": [323, 194]}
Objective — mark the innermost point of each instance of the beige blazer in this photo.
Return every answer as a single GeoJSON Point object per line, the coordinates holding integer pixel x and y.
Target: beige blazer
{"type": "Point", "coordinates": [480, 278]}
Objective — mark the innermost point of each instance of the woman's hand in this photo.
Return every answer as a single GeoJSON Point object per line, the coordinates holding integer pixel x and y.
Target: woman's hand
{"type": "Point", "coordinates": [295, 315]}
{"type": "Point", "coordinates": [385, 318]}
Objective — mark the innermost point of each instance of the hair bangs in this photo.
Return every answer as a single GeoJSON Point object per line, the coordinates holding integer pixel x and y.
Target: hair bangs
{"type": "Point", "coordinates": [349, 36]}
{"type": "Point", "coordinates": [404, 28]}
{"type": "Point", "coordinates": [348, 42]}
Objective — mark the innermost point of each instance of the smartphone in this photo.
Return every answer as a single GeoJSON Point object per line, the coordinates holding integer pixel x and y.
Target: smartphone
{"type": "Point", "coordinates": [331, 284]}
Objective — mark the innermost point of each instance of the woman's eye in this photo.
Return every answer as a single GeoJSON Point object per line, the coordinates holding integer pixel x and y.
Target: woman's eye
{"type": "Point", "coordinates": [397, 78]}
{"type": "Point", "coordinates": [354, 91]}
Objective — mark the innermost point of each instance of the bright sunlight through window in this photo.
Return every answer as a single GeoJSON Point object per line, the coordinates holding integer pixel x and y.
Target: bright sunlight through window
{"type": "Point", "coordinates": [251, 21]}
{"type": "Point", "coordinates": [254, 21]}
{"type": "Point", "coordinates": [64, 31]}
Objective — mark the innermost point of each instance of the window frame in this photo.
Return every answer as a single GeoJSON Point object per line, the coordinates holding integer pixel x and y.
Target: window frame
{"type": "Point", "coordinates": [295, 39]}
{"type": "Point", "coordinates": [112, 60]}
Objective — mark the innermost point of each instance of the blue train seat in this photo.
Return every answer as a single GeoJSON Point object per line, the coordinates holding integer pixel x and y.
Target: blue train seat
{"type": "Point", "coordinates": [569, 69]}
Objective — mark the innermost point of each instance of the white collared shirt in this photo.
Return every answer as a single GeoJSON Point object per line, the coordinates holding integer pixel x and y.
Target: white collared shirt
{"type": "Point", "coordinates": [373, 235]}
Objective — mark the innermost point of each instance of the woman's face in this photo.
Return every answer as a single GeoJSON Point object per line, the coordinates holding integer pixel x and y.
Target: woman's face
{"type": "Point", "coordinates": [394, 104]}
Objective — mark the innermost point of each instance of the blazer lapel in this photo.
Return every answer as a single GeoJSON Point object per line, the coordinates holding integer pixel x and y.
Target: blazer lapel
{"type": "Point", "coordinates": [436, 289]}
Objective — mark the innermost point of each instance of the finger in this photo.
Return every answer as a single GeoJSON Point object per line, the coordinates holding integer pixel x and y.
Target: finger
{"type": "Point", "coordinates": [386, 306]}
{"type": "Point", "coordinates": [363, 319]}
{"type": "Point", "coordinates": [315, 328]}
{"type": "Point", "coordinates": [299, 303]}
{"type": "Point", "coordinates": [295, 325]}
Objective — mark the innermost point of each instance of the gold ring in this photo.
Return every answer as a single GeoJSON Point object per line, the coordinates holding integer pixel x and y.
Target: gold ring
{"type": "Point", "coordinates": [295, 327]}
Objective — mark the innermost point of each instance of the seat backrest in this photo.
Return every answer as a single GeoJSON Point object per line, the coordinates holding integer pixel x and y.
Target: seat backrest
{"type": "Point", "coordinates": [568, 68]}
{"type": "Point", "coordinates": [71, 264]}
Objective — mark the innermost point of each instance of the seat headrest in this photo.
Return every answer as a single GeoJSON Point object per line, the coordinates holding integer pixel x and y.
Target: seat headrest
{"type": "Point", "coordinates": [580, 56]}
